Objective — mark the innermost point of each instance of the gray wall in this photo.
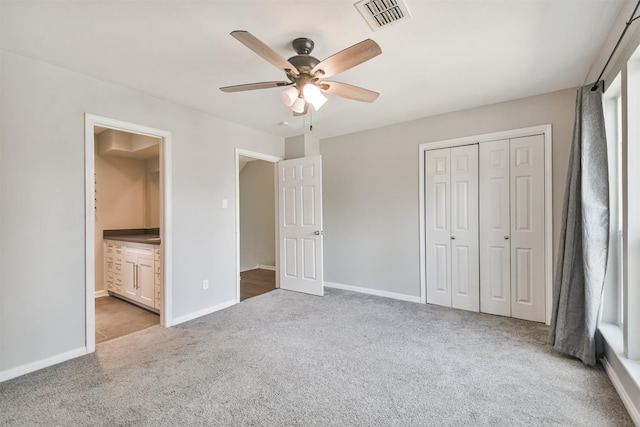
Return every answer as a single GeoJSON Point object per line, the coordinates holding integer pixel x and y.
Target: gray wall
{"type": "Point", "coordinates": [42, 249]}
{"type": "Point", "coordinates": [257, 215]}
{"type": "Point", "coordinates": [370, 187]}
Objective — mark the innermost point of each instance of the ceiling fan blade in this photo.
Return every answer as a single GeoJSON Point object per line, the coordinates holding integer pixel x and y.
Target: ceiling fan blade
{"type": "Point", "coordinates": [348, 91]}
{"type": "Point", "coordinates": [348, 58]}
{"type": "Point", "coordinates": [253, 86]}
{"type": "Point", "coordinates": [270, 55]}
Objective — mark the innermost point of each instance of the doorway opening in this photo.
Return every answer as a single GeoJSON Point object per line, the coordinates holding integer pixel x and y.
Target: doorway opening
{"type": "Point", "coordinates": [128, 285]}
{"type": "Point", "coordinates": [256, 223]}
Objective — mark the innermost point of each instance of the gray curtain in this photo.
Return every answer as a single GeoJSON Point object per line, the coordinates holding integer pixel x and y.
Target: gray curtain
{"type": "Point", "coordinates": [584, 236]}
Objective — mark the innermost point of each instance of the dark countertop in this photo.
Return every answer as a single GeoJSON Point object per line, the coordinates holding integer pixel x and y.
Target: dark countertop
{"type": "Point", "coordinates": [150, 236]}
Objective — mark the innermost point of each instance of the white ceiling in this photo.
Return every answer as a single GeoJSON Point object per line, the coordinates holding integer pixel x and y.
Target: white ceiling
{"type": "Point", "coordinates": [451, 55]}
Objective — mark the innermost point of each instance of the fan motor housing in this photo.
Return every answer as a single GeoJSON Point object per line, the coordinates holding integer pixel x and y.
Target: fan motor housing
{"type": "Point", "coordinates": [304, 63]}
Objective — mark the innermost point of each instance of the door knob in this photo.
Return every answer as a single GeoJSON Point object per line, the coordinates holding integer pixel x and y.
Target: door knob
{"type": "Point", "coordinates": [453, 237]}
{"type": "Point", "coordinates": [317, 233]}
{"type": "Point", "coordinates": [506, 237]}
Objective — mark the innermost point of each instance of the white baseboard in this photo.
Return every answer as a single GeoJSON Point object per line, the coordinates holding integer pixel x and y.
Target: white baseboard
{"type": "Point", "coordinates": [376, 292]}
{"type": "Point", "coordinates": [102, 293]}
{"type": "Point", "coordinates": [203, 312]}
{"type": "Point", "coordinates": [267, 267]}
{"type": "Point", "coordinates": [633, 408]}
{"type": "Point", "coordinates": [41, 364]}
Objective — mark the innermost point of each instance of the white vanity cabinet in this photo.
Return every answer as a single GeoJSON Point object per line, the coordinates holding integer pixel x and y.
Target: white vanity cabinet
{"type": "Point", "coordinates": [132, 271]}
{"type": "Point", "coordinates": [113, 266]}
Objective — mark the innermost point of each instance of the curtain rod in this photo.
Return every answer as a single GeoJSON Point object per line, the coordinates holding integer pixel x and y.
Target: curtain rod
{"type": "Point", "coordinates": [626, 27]}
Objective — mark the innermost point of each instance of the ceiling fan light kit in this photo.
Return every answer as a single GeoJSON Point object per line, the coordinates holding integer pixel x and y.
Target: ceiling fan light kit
{"type": "Point", "coordinates": [304, 72]}
{"type": "Point", "coordinates": [289, 95]}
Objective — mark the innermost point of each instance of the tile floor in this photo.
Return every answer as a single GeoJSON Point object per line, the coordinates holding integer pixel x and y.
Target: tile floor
{"type": "Point", "coordinates": [116, 318]}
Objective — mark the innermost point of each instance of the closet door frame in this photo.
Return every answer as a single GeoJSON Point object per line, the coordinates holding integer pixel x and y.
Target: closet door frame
{"type": "Point", "coordinates": [544, 130]}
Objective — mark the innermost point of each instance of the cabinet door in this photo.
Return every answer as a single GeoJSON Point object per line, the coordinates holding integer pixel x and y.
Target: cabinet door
{"type": "Point", "coordinates": [438, 231]}
{"type": "Point", "coordinates": [495, 228]}
{"type": "Point", "coordinates": [129, 284]}
{"type": "Point", "coordinates": [146, 285]}
{"type": "Point", "coordinates": [527, 228]}
{"type": "Point", "coordinates": [465, 284]}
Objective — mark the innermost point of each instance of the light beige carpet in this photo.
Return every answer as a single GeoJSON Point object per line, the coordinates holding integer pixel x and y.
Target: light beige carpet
{"type": "Point", "coordinates": [288, 359]}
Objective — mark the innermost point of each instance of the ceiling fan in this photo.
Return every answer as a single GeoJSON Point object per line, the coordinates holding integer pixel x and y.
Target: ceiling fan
{"type": "Point", "coordinates": [305, 72]}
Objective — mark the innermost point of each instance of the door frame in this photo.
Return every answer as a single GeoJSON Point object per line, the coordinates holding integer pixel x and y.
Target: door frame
{"type": "Point", "coordinates": [544, 130]}
{"type": "Point", "coordinates": [166, 313]}
{"type": "Point", "coordinates": [267, 158]}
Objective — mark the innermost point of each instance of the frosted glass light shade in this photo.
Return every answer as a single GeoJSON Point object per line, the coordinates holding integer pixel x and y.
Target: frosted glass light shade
{"type": "Point", "coordinates": [289, 95]}
{"type": "Point", "coordinates": [313, 96]}
{"type": "Point", "coordinates": [298, 106]}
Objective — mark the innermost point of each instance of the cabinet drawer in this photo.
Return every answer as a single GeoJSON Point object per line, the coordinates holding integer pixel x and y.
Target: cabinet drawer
{"type": "Point", "coordinates": [157, 273]}
{"type": "Point", "coordinates": [158, 297]}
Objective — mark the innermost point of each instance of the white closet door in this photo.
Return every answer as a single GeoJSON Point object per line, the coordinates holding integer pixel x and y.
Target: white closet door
{"type": "Point", "coordinates": [527, 228]}
{"type": "Point", "coordinates": [438, 232]}
{"type": "Point", "coordinates": [495, 247]}
{"type": "Point", "coordinates": [465, 287]}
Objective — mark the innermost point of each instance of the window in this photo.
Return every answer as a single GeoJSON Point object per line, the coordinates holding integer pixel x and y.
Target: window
{"type": "Point", "coordinates": [613, 296]}
{"type": "Point", "coordinates": [621, 295]}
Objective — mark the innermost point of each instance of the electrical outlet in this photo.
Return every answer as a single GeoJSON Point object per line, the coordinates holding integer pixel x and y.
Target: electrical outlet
{"type": "Point", "coordinates": [205, 284]}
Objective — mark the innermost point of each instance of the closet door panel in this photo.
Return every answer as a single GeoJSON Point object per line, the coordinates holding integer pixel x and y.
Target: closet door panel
{"type": "Point", "coordinates": [495, 266]}
{"type": "Point", "coordinates": [527, 228]}
{"type": "Point", "coordinates": [465, 292]}
{"type": "Point", "coordinates": [438, 226]}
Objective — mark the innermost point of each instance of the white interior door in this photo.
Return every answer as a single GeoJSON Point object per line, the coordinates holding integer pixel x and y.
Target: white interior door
{"type": "Point", "coordinates": [438, 229]}
{"type": "Point", "coordinates": [465, 285]}
{"type": "Point", "coordinates": [527, 228]}
{"type": "Point", "coordinates": [495, 230]}
{"type": "Point", "coordinates": [300, 225]}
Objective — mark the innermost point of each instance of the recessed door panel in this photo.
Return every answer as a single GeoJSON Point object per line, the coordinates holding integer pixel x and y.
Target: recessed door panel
{"type": "Point", "coordinates": [308, 171]}
{"type": "Point", "coordinates": [523, 204]}
{"type": "Point", "coordinates": [523, 276]}
{"type": "Point", "coordinates": [289, 174]}
{"type": "Point", "coordinates": [499, 289]}
{"type": "Point", "coordinates": [498, 196]}
{"type": "Point", "coordinates": [289, 205]}
{"type": "Point", "coordinates": [290, 258]}
{"type": "Point", "coordinates": [309, 268]}
{"type": "Point", "coordinates": [461, 272]}
{"type": "Point", "coordinates": [462, 205]}
{"type": "Point", "coordinates": [441, 268]}
{"type": "Point", "coordinates": [441, 208]}
{"type": "Point", "coordinates": [308, 206]}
